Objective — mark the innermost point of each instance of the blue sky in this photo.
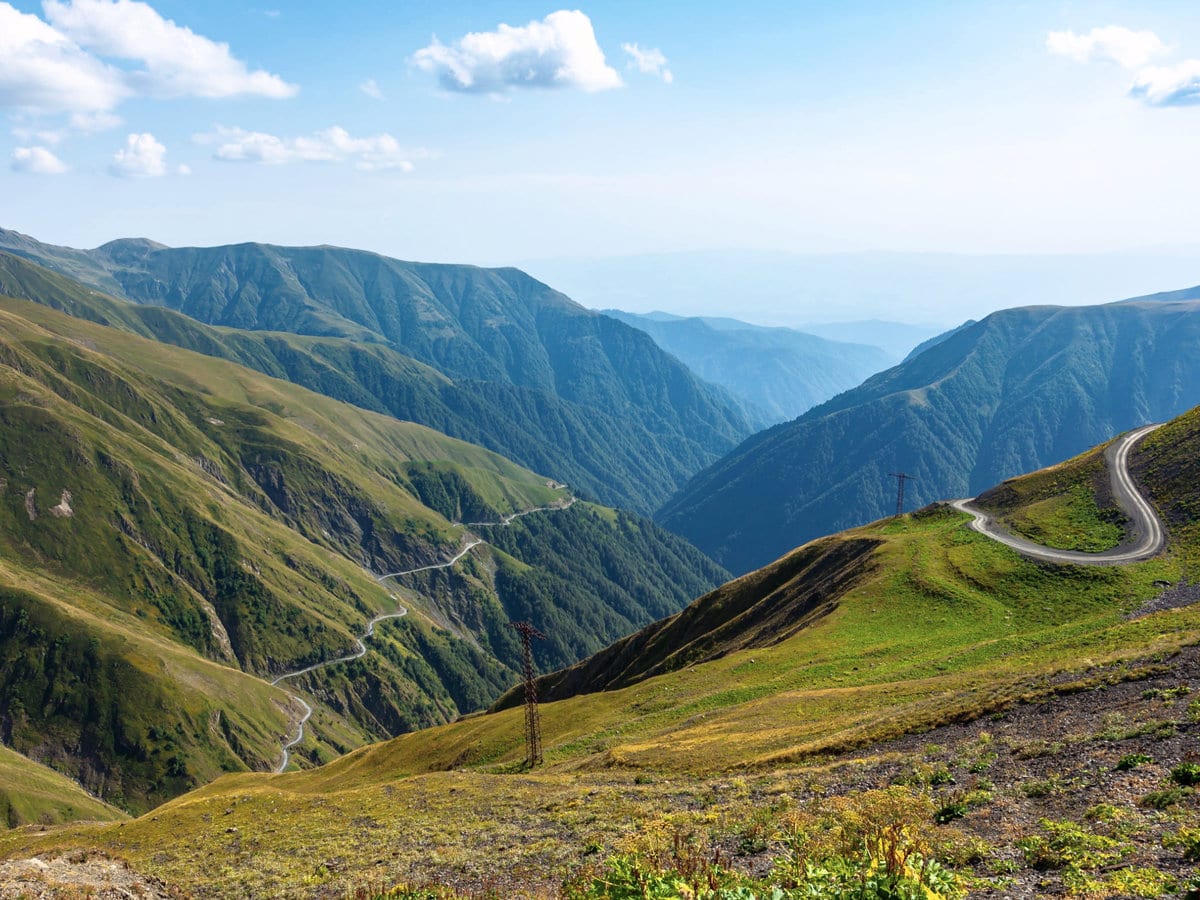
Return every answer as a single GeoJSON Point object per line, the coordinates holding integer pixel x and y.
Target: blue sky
{"type": "Point", "coordinates": [803, 127]}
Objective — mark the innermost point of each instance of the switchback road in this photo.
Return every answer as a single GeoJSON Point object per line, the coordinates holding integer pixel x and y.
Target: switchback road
{"type": "Point", "coordinates": [1144, 538]}
{"type": "Point", "coordinates": [361, 650]}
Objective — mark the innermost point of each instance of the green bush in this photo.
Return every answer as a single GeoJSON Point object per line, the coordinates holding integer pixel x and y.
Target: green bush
{"type": "Point", "coordinates": [1186, 839]}
{"type": "Point", "coordinates": [1069, 845]}
{"type": "Point", "coordinates": [1186, 774]}
{"type": "Point", "coordinates": [1131, 761]}
{"type": "Point", "coordinates": [1165, 798]}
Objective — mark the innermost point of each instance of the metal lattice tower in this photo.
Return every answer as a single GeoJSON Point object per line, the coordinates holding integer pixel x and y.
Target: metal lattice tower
{"type": "Point", "coordinates": [901, 477]}
{"type": "Point", "coordinates": [533, 723]}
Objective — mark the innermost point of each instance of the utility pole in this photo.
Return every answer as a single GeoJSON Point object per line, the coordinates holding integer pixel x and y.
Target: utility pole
{"type": "Point", "coordinates": [533, 724]}
{"type": "Point", "coordinates": [901, 477]}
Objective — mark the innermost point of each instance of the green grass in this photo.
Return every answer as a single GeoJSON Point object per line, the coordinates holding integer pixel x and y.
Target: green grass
{"type": "Point", "coordinates": [35, 794]}
{"type": "Point", "coordinates": [225, 525]}
{"type": "Point", "coordinates": [1059, 506]}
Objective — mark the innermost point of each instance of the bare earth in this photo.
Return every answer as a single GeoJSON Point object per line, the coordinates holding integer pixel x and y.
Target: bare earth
{"type": "Point", "coordinates": [78, 875]}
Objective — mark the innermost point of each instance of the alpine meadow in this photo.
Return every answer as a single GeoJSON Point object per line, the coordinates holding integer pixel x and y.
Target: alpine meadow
{"type": "Point", "coordinates": [483, 452]}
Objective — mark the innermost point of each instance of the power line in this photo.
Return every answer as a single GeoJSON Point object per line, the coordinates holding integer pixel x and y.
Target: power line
{"type": "Point", "coordinates": [533, 724]}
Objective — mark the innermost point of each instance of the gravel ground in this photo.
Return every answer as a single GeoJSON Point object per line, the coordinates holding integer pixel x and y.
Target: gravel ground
{"type": "Point", "coordinates": [78, 875]}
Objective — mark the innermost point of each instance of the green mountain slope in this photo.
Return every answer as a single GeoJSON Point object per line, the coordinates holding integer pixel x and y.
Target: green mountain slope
{"type": "Point", "coordinates": [44, 796]}
{"type": "Point", "coordinates": [1020, 389]}
{"type": "Point", "coordinates": [629, 421]}
{"type": "Point", "coordinates": [781, 371]}
{"type": "Point", "coordinates": [175, 530]}
{"type": "Point", "coordinates": [761, 707]}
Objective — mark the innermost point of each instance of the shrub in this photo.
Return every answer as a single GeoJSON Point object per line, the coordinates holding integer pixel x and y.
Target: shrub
{"type": "Point", "coordinates": [1069, 845]}
{"type": "Point", "coordinates": [1165, 798]}
{"type": "Point", "coordinates": [1186, 774]}
{"type": "Point", "coordinates": [1188, 840]}
{"type": "Point", "coordinates": [1131, 761]}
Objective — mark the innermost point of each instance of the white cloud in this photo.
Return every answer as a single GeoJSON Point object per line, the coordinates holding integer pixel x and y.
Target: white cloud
{"type": "Point", "coordinates": [1173, 85]}
{"type": "Point", "coordinates": [178, 62]}
{"type": "Point", "coordinates": [649, 62]}
{"type": "Point", "coordinates": [1177, 85]}
{"type": "Point", "coordinates": [372, 89]}
{"type": "Point", "coordinates": [330, 145]}
{"type": "Point", "coordinates": [558, 52]}
{"type": "Point", "coordinates": [42, 70]}
{"type": "Point", "coordinates": [37, 161]}
{"type": "Point", "coordinates": [1127, 48]}
{"type": "Point", "coordinates": [141, 157]}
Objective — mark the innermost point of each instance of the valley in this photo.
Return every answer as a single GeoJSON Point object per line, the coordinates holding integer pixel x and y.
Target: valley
{"type": "Point", "coordinates": [949, 676]}
{"type": "Point", "coordinates": [256, 642]}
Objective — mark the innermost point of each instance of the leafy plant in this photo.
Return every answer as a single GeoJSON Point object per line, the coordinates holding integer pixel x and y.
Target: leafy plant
{"type": "Point", "coordinates": [1131, 761]}
{"type": "Point", "coordinates": [1186, 774]}
{"type": "Point", "coordinates": [1187, 840]}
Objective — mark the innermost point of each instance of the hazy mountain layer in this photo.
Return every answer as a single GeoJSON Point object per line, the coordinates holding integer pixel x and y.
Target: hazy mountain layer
{"type": "Point", "coordinates": [629, 422]}
{"type": "Point", "coordinates": [779, 370]}
{"type": "Point", "coordinates": [1021, 389]}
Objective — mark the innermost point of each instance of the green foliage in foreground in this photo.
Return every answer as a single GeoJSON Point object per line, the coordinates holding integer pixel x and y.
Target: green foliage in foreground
{"type": "Point", "coordinates": [877, 845]}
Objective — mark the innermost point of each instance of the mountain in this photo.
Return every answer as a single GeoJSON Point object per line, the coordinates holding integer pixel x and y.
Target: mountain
{"type": "Point", "coordinates": [910, 682]}
{"type": "Point", "coordinates": [779, 370]}
{"type": "Point", "coordinates": [937, 339]}
{"type": "Point", "coordinates": [584, 398]}
{"type": "Point", "coordinates": [177, 531]}
{"type": "Point", "coordinates": [1020, 389]}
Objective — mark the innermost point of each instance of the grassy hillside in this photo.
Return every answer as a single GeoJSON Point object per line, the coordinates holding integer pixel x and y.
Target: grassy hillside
{"type": "Point", "coordinates": [1068, 506]}
{"type": "Point", "coordinates": [175, 530]}
{"type": "Point", "coordinates": [44, 796]}
{"type": "Point", "coordinates": [1022, 389]}
{"type": "Point", "coordinates": [1041, 709]}
{"type": "Point", "coordinates": [574, 394]}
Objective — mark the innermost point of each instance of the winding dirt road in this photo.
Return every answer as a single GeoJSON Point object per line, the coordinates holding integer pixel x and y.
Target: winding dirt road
{"type": "Point", "coordinates": [361, 650]}
{"type": "Point", "coordinates": [1144, 538]}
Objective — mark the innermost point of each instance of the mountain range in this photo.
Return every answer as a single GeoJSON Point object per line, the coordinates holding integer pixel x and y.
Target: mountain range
{"type": "Point", "coordinates": [177, 531]}
{"type": "Point", "coordinates": [491, 356]}
{"type": "Point", "coordinates": [1020, 389]}
{"type": "Point", "coordinates": [781, 371]}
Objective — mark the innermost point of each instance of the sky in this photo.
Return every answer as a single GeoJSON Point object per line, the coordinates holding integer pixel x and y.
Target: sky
{"type": "Point", "coordinates": [497, 132]}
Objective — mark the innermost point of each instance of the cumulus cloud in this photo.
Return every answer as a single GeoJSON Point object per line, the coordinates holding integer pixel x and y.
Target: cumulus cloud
{"type": "Point", "coordinates": [88, 56]}
{"type": "Point", "coordinates": [141, 157]}
{"type": "Point", "coordinates": [178, 62]}
{"type": "Point", "coordinates": [649, 62]}
{"type": "Point", "coordinates": [1127, 48]}
{"type": "Point", "coordinates": [1177, 85]}
{"type": "Point", "coordinates": [335, 144]}
{"type": "Point", "coordinates": [560, 51]}
{"type": "Point", "coordinates": [41, 69]}
{"type": "Point", "coordinates": [1171, 85]}
{"type": "Point", "coordinates": [372, 89]}
{"type": "Point", "coordinates": [37, 161]}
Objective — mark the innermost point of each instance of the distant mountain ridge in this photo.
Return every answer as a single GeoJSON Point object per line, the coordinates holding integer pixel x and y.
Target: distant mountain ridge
{"type": "Point", "coordinates": [630, 422]}
{"type": "Point", "coordinates": [1019, 390]}
{"type": "Point", "coordinates": [782, 371]}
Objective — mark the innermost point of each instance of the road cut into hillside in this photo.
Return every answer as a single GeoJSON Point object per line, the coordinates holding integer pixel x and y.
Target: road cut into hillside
{"type": "Point", "coordinates": [1145, 537]}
